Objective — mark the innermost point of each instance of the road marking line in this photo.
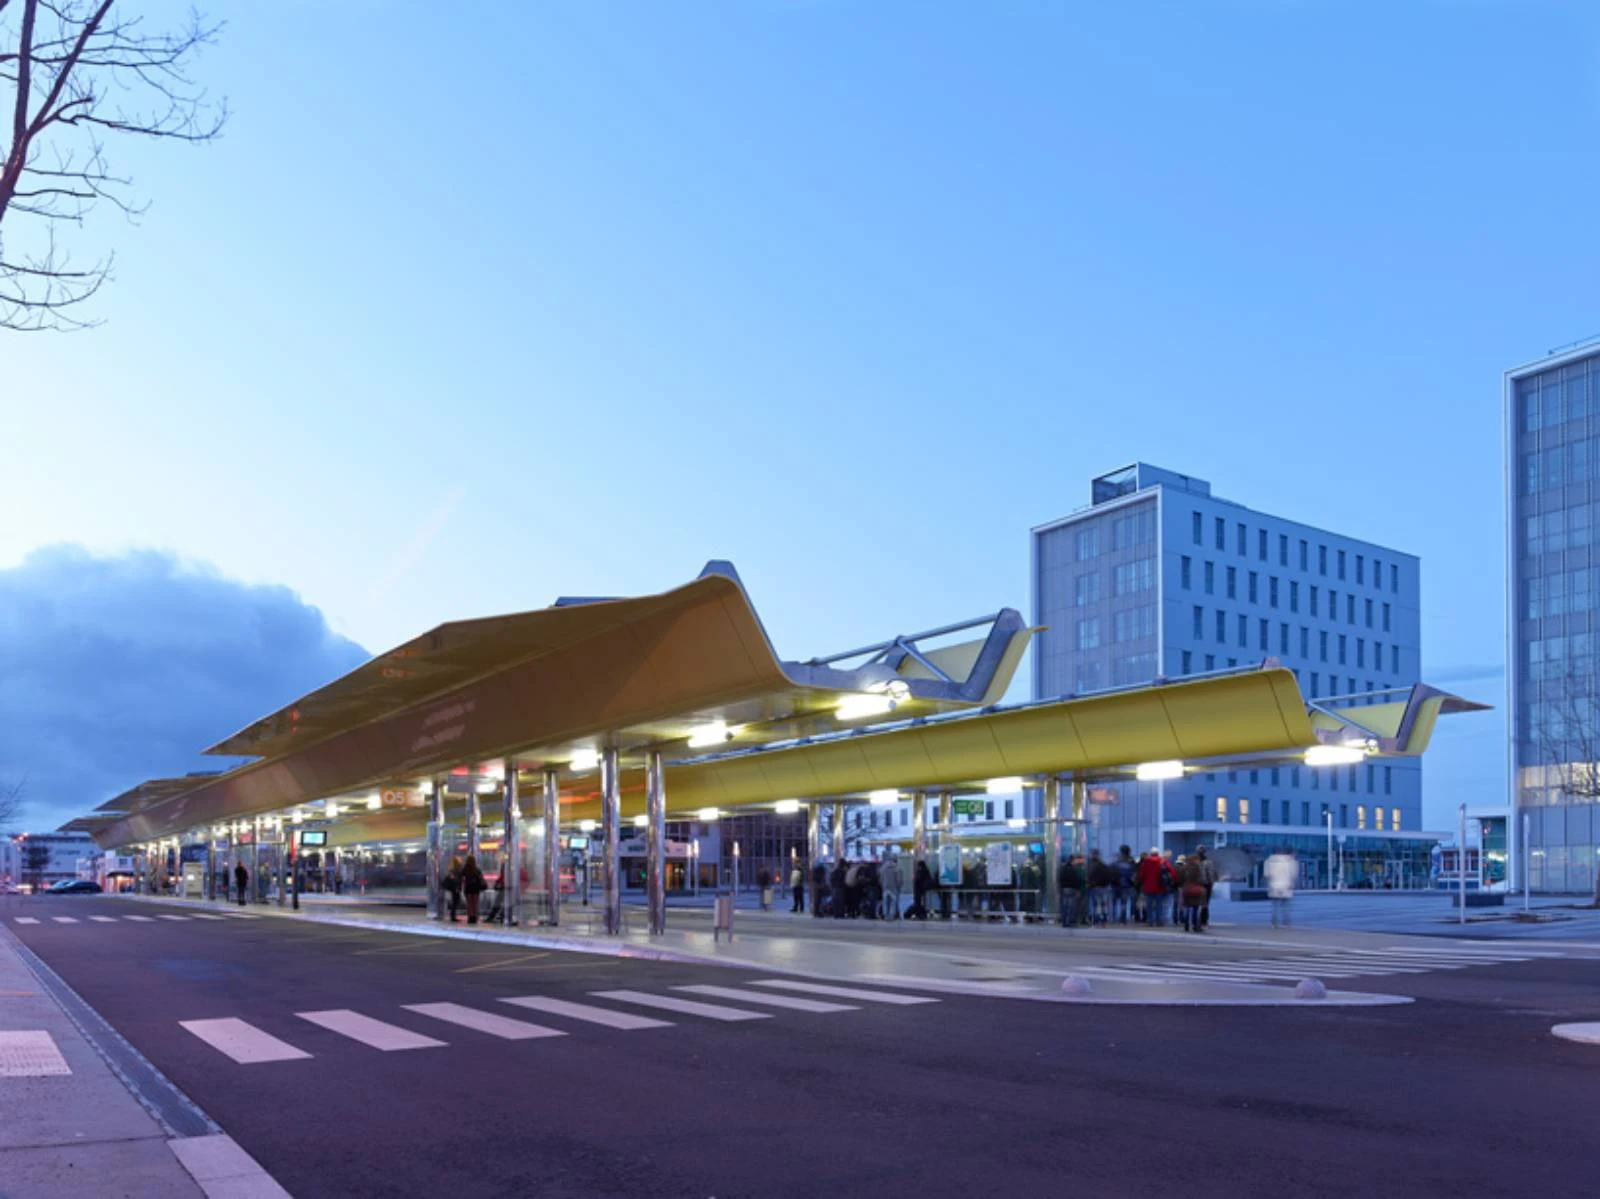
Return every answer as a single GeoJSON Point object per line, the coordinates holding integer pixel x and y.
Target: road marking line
{"type": "Point", "coordinates": [243, 1042]}
{"type": "Point", "coordinates": [205, 916]}
{"type": "Point", "coordinates": [791, 984]}
{"type": "Point", "coordinates": [141, 919]}
{"type": "Point", "coordinates": [527, 957]}
{"type": "Point", "coordinates": [30, 1053]}
{"type": "Point", "coordinates": [387, 1037]}
{"type": "Point", "coordinates": [164, 916]}
{"type": "Point", "coordinates": [27, 920]}
{"type": "Point", "coordinates": [103, 919]}
{"type": "Point", "coordinates": [583, 1011]}
{"type": "Point", "coordinates": [711, 1011]}
{"type": "Point", "coordinates": [496, 1026]}
{"type": "Point", "coordinates": [792, 1002]}
{"type": "Point", "coordinates": [65, 919]}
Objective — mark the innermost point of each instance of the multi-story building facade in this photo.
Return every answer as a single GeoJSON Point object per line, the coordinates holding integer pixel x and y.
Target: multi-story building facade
{"type": "Point", "coordinates": [1552, 437]}
{"type": "Point", "coordinates": [43, 858]}
{"type": "Point", "coordinates": [1158, 577]}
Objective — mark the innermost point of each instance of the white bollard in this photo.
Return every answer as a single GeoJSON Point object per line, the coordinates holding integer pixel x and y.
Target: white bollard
{"type": "Point", "coordinates": [1075, 984]}
{"type": "Point", "coordinates": [1310, 988]}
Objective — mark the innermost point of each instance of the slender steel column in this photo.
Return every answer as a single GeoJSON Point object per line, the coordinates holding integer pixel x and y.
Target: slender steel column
{"type": "Point", "coordinates": [1080, 829]}
{"type": "Point", "coordinates": [552, 842]}
{"type": "Point", "coordinates": [814, 850]}
{"type": "Point", "coordinates": [919, 829]}
{"type": "Point", "coordinates": [473, 811]}
{"type": "Point", "coordinates": [210, 889]}
{"type": "Point", "coordinates": [655, 845]}
{"type": "Point", "coordinates": [255, 857]}
{"type": "Point", "coordinates": [1052, 846]}
{"type": "Point", "coordinates": [511, 847]}
{"type": "Point", "coordinates": [435, 849]}
{"type": "Point", "coordinates": [611, 824]}
{"type": "Point", "coordinates": [838, 832]}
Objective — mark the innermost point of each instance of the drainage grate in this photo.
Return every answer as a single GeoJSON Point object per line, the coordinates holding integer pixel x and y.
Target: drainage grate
{"type": "Point", "coordinates": [30, 1053]}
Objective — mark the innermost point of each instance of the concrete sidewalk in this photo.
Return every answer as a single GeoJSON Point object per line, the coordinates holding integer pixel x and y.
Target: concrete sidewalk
{"type": "Point", "coordinates": [89, 1117]}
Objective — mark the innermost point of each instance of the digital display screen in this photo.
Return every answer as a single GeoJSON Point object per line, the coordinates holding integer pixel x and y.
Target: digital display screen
{"type": "Point", "coordinates": [314, 837]}
{"type": "Point", "coordinates": [577, 842]}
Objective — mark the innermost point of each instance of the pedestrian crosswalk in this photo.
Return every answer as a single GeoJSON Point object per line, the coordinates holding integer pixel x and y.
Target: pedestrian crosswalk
{"type": "Point", "coordinates": [114, 919]}
{"type": "Point", "coordinates": [247, 1044]}
{"type": "Point", "coordinates": [1341, 963]}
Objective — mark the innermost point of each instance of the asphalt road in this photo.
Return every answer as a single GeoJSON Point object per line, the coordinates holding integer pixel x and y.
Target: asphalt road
{"type": "Point", "coordinates": [1463, 1092]}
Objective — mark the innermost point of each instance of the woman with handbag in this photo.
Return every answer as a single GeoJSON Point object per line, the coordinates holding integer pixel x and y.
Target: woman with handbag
{"type": "Point", "coordinates": [1193, 886]}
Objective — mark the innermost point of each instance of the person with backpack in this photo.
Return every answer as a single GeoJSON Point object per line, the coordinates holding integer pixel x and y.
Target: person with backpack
{"type": "Point", "coordinates": [451, 882]}
{"type": "Point", "coordinates": [1152, 885]}
{"type": "Point", "coordinates": [473, 885]}
{"type": "Point", "coordinates": [921, 884]}
{"type": "Point", "coordinates": [1101, 881]}
{"type": "Point", "coordinates": [241, 880]}
{"type": "Point", "coordinates": [1125, 886]}
{"type": "Point", "coordinates": [1072, 890]}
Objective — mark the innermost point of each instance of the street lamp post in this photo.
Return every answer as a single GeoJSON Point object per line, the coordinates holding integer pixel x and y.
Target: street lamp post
{"type": "Point", "coordinates": [1328, 817]}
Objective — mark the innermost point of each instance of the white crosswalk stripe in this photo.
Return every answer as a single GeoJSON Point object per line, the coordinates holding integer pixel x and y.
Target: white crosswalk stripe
{"type": "Point", "coordinates": [496, 1026]}
{"type": "Point", "coordinates": [791, 1002]}
{"type": "Point", "coordinates": [164, 916]}
{"type": "Point", "coordinates": [65, 919]}
{"type": "Point", "coordinates": [243, 1042]}
{"type": "Point", "coordinates": [27, 920]}
{"type": "Point", "coordinates": [689, 1007]}
{"type": "Point", "coordinates": [587, 1012]}
{"type": "Point", "coordinates": [793, 984]}
{"type": "Point", "coordinates": [143, 919]}
{"type": "Point", "coordinates": [1342, 963]}
{"type": "Point", "coordinates": [387, 1037]}
{"type": "Point", "coordinates": [103, 919]}
{"type": "Point", "coordinates": [205, 916]}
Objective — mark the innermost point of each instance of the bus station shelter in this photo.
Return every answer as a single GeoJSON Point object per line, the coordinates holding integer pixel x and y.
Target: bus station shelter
{"type": "Point", "coordinates": [495, 735]}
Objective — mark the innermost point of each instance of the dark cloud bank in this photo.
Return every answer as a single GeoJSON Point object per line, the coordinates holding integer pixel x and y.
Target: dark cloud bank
{"type": "Point", "coordinates": [114, 670]}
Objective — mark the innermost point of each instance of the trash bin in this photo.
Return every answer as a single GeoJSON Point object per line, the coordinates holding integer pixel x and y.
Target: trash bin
{"type": "Point", "coordinates": [722, 915]}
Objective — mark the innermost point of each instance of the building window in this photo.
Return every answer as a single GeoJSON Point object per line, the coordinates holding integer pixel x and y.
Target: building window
{"type": "Point", "coordinates": [1316, 686]}
{"type": "Point", "coordinates": [1199, 808]}
{"type": "Point", "coordinates": [1344, 815]}
{"type": "Point", "coordinates": [1088, 543]}
{"type": "Point", "coordinates": [1283, 639]}
{"type": "Point", "coordinates": [1186, 574]}
{"type": "Point", "coordinates": [1272, 591]}
{"type": "Point", "coordinates": [1211, 662]}
{"type": "Point", "coordinates": [1261, 546]}
{"type": "Point", "coordinates": [1368, 604]}
{"type": "Point", "coordinates": [1087, 589]}
{"type": "Point", "coordinates": [1372, 775]}
{"type": "Point", "coordinates": [1322, 560]}
{"type": "Point", "coordinates": [905, 815]}
{"type": "Point", "coordinates": [1283, 549]}
{"type": "Point", "coordinates": [1377, 572]}
{"type": "Point", "coordinates": [1305, 638]}
{"type": "Point", "coordinates": [1322, 645]}
{"type": "Point", "coordinates": [1196, 528]}
{"type": "Point", "coordinates": [1361, 569]}
{"type": "Point", "coordinates": [1388, 782]}
{"type": "Point", "coordinates": [1274, 777]}
{"type": "Point", "coordinates": [1305, 812]}
{"type": "Point", "coordinates": [1386, 618]}
{"type": "Point", "coordinates": [1131, 624]}
{"type": "Point", "coordinates": [1361, 815]}
{"type": "Point", "coordinates": [1233, 582]}
{"type": "Point", "coordinates": [1361, 652]}
{"type": "Point", "coordinates": [1394, 819]}
{"type": "Point", "coordinates": [1199, 622]}
{"type": "Point", "coordinates": [1222, 534]}
{"type": "Point", "coordinates": [1342, 642]}
{"type": "Point", "coordinates": [1211, 578]}
{"type": "Point", "coordinates": [1353, 776]}
{"type": "Point", "coordinates": [1349, 609]}
{"type": "Point", "coordinates": [1222, 627]}
{"type": "Point", "coordinates": [1394, 578]}
{"type": "Point", "coordinates": [1333, 604]}
{"type": "Point", "coordinates": [1316, 781]}
{"type": "Point", "coordinates": [1262, 634]}
{"type": "Point", "coordinates": [1185, 660]}
{"type": "Point", "coordinates": [1244, 811]}
{"type": "Point", "coordinates": [1132, 577]}
{"type": "Point", "coordinates": [1239, 540]}
{"type": "Point", "coordinates": [1341, 565]}
{"type": "Point", "coordinates": [1314, 599]}
{"type": "Point", "coordinates": [1089, 633]}
{"type": "Point", "coordinates": [1010, 806]}
{"type": "Point", "coordinates": [1294, 596]}
{"type": "Point", "coordinates": [1394, 659]}
{"type": "Point", "coordinates": [1377, 819]}
{"type": "Point", "coordinates": [1136, 528]}
{"type": "Point", "coordinates": [1377, 654]}
{"type": "Point", "coordinates": [1304, 549]}
{"type": "Point", "coordinates": [1251, 587]}
{"type": "Point", "coordinates": [1244, 632]}
{"type": "Point", "coordinates": [1089, 677]}
{"type": "Point", "coordinates": [988, 810]}
{"type": "Point", "coordinates": [1222, 809]}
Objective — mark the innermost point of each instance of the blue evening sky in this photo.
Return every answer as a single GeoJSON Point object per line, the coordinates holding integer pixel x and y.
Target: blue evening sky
{"type": "Point", "coordinates": [480, 304]}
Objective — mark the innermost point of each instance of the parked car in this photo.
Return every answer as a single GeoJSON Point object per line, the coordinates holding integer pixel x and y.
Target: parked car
{"type": "Point", "coordinates": [74, 886]}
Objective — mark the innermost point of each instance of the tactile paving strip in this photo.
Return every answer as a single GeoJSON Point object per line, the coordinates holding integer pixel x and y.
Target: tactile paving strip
{"type": "Point", "coordinates": [30, 1053]}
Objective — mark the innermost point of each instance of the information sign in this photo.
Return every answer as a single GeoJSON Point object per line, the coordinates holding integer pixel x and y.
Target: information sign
{"type": "Point", "coordinates": [949, 865]}
{"type": "Point", "coordinates": [969, 807]}
{"type": "Point", "coordinates": [997, 863]}
{"type": "Point", "coordinates": [317, 836]}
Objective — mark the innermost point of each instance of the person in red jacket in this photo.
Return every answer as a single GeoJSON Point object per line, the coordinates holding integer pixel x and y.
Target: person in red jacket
{"type": "Point", "coordinates": [1153, 887]}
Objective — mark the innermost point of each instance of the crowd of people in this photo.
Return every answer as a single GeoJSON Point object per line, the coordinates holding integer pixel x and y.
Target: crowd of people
{"type": "Point", "coordinates": [1154, 890]}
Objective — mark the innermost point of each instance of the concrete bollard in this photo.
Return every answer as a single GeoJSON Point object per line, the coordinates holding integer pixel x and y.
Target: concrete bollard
{"type": "Point", "coordinates": [1310, 988]}
{"type": "Point", "coordinates": [1075, 984]}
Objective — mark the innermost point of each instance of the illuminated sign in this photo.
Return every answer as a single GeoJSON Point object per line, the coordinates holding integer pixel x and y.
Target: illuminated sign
{"type": "Point", "coordinates": [314, 837]}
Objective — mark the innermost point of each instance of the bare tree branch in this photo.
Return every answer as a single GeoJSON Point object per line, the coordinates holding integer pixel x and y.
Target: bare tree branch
{"type": "Point", "coordinates": [10, 793]}
{"type": "Point", "coordinates": [77, 75]}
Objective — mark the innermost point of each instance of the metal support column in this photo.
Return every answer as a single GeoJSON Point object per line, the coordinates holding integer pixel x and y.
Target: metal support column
{"type": "Point", "coordinates": [919, 829]}
{"type": "Point", "coordinates": [472, 817]}
{"type": "Point", "coordinates": [552, 842]}
{"type": "Point", "coordinates": [1080, 828]}
{"type": "Point", "coordinates": [611, 826]}
{"type": "Point", "coordinates": [947, 836]}
{"type": "Point", "coordinates": [1052, 847]}
{"type": "Point", "coordinates": [511, 848]}
{"type": "Point", "coordinates": [814, 850]}
{"type": "Point", "coordinates": [838, 832]}
{"type": "Point", "coordinates": [655, 844]}
{"type": "Point", "coordinates": [436, 865]}
{"type": "Point", "coordinates": [210, 889]}
{"type": "Point", "coordinates": [255, 858]}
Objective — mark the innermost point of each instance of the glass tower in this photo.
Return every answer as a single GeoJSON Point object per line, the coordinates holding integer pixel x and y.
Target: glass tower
{"type": "Point", "coordinates": [1552, 414]}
